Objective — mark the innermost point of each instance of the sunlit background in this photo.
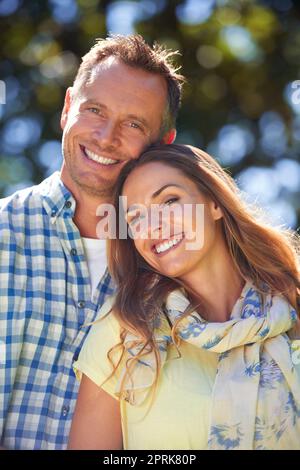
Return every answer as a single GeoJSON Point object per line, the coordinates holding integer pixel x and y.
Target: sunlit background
{"type": "Point", "coordinates": [241, 103]}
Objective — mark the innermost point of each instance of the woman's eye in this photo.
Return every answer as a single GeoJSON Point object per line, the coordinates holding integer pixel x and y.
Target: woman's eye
{"type": "Point", "coordinates": [135, 220]}
{"type": "Point", "coordinates": [132, 222]}
{"type": "Point", "coordinates": [171, 200]}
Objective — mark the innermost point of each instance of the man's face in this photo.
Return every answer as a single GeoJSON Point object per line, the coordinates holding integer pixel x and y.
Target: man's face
{"type": "Point", "coordinates": [108, 122]}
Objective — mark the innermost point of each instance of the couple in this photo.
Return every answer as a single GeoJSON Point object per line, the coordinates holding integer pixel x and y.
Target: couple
{"type": "Point", "coordinates": [195, 348]}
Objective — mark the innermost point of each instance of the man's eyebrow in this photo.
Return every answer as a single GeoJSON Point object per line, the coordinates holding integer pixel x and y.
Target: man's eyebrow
{"type": "Point", "coordinates": [95, 102]}
{"type": "Point", "coordinates": [154, 195]}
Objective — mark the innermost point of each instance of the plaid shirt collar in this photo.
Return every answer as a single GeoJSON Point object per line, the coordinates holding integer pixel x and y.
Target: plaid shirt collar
{"type": "Point", "coordinates": [54, 196]}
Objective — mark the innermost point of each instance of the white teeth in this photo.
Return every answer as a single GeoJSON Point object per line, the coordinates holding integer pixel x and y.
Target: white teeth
{"type": "Point", "coordinates": [96, 158]}
{"type": "Point", "coordinates": [166, 245]}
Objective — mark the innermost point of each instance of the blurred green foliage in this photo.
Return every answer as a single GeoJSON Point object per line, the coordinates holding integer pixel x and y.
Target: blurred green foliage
{"type": "Point", "coordinates": [240, 57]}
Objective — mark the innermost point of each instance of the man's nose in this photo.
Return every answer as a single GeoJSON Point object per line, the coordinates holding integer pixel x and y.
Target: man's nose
{"type": "Point", "coordinates": [106, 133]}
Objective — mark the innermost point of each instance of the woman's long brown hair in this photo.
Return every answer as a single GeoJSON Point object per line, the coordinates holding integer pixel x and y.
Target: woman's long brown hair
{"type": "Point", "coordinates": [264, 254]}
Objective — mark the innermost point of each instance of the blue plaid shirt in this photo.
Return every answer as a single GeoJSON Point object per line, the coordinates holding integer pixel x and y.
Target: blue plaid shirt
{"type": "Point", "coordinates": [45, 299]}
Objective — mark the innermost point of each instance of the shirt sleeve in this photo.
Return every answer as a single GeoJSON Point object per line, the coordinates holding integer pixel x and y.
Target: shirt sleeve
{"type": "Point", "coordinates": [93, 359]}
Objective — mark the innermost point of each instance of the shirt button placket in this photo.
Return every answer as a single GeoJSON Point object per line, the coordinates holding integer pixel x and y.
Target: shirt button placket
{"type": "Point", "coordinates": [65, 410]}
{"type": "Point", "coordinates": [73, 252]}
{"type": "Point", "coordinates": [68, 204]}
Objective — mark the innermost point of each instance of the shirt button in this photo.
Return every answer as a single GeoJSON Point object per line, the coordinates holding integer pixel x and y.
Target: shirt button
{"type": "Point", "coordinates": [81, 304]}
{"type": "Point", "coordinates": [73, 252]}
{"type": "Point", "coordinates": [76, 355]}
{"type": "Point", "coordinates": [65, 410]}
{"type": "Point", "coordinates": [53, 213]}
{"type": "Point", "coordinates": [68, 204]}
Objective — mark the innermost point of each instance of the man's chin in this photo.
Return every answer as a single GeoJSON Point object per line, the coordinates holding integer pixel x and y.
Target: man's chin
{"type": "Point", "coordinates": [97, 192]}
{"type": "Point", "coordinates": [99, 188]}
{"type": "Point", "coordinates": [92, 185]}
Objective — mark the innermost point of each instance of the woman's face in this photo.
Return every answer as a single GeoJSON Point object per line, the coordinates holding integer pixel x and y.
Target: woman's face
{"type": "Point", "coordinates": [172, 223]}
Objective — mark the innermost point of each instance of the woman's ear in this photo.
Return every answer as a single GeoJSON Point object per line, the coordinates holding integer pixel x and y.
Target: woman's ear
{"type": "Point", "coordinates": [215, 211]}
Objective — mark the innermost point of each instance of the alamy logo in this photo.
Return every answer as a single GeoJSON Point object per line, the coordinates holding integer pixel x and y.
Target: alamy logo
{"type": "Point", "coordinates": [154, 222]}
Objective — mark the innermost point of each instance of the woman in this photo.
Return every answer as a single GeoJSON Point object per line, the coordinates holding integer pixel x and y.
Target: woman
{"type": "Point", "coordinates": [197, 349]}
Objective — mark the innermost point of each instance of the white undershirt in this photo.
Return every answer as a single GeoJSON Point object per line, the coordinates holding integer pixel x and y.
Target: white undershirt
{"type": "Point", "coordinates": [95, 251]}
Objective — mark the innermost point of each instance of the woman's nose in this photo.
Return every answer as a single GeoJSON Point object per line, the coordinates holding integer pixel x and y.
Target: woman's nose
{"type": "Point", "coordinates": [159, 224]}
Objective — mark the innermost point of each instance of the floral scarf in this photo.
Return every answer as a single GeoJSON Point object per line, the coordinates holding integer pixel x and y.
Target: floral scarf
{"type": "Point", "coordinates": [256, 394]}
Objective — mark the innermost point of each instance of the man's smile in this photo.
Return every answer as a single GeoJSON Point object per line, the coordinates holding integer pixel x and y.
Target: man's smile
{"type": "Point", "coordinates": [98, 158]}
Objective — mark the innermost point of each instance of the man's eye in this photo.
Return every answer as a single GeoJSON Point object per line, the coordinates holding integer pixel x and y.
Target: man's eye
{"type": "Point", "coordinates": [94, 110]}
{"type": "Point", "coordinates": [134, 125]}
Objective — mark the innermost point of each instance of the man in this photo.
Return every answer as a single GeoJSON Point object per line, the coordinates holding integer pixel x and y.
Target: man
{"type": "Point", "coordinates": [53, 276]}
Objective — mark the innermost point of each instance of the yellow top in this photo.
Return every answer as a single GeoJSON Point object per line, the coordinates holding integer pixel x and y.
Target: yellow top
{"type": "Point", "coordinates": [179, 417]}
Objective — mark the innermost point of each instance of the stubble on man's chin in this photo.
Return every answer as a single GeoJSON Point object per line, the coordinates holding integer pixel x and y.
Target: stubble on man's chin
{"type": "Point", "coordinates": [93, 190]}
{"type": "Point", "coordinates": [96, 192]}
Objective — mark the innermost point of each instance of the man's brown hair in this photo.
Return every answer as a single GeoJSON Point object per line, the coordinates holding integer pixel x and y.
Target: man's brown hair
{"type": "Point", "coordinates": [133, 51]}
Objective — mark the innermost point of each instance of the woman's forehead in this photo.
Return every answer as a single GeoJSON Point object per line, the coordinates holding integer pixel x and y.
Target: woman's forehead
{"type": "Point", "coordinates": [153, 174]}
{"type": "Point", "coordinates": [145, 184]}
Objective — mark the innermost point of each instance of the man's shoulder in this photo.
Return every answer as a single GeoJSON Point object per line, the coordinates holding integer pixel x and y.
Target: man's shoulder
{"type": "Point", "coordinates": [17, 198]}
{"type": "Point", "coordinates": [27, 197]}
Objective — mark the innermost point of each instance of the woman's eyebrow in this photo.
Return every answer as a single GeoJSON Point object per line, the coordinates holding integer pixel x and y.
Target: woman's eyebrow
{"type": "Point", "coordinates": [154, 195]}
{"type": "Point", "coordinates": [157, 193]}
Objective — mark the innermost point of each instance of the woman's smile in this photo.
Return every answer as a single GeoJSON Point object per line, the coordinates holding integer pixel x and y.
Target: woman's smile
{"type": "Point", "coordinates": [165, 246]}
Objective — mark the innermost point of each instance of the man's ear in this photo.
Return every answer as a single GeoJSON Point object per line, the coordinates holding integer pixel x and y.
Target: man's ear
{"type": "Point", "coordinates": [66, 108]}
{"type": "Point", "coordinates": [169, 137]}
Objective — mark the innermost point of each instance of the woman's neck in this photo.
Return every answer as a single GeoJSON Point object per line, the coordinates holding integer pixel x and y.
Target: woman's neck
{"type": "Point", "coordinates": [215, 285]}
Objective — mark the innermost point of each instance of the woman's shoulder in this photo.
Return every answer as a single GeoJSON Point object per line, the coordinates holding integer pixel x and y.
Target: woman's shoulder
{"type": "Point", "coordinates": [99, 348]}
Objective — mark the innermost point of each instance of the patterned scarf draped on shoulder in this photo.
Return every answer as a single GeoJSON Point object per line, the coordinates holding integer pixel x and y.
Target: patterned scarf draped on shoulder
{"type": "Point", "coordinates": [256, 394]}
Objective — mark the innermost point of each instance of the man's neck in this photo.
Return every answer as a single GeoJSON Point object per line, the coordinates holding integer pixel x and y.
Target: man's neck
{"type": "Point", "coordinates": [85, 217]}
